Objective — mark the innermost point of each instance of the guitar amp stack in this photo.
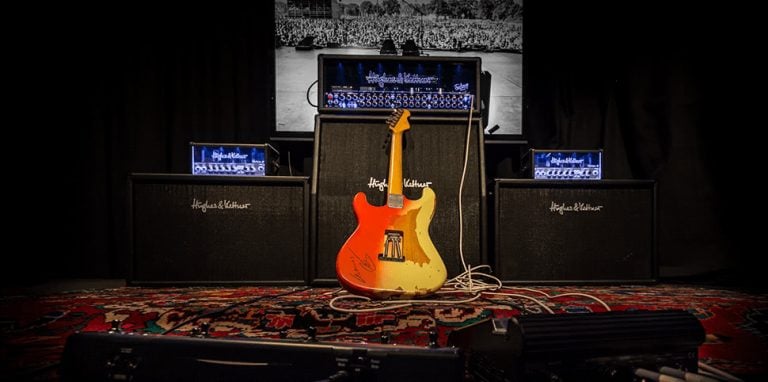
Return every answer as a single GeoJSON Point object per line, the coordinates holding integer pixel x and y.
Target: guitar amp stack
{"type": "Point", "coordinates": [356, 93]}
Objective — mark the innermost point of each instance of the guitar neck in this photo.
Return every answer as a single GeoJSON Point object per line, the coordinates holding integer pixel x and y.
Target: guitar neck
{"type": "Point", "coordinates": [395, 178]}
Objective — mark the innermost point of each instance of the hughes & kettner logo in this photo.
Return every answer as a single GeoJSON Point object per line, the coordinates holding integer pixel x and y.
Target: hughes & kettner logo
{"type": "Point", "coordinates": [408, 183]}
{"type": "Point", "coordinates": [382, 79]}
{"type": "Point", "coordinates": [220, 205]}
{"type": "Point", "coordinates": [569, 160]}
{"type": "Point", "coordinates": [575, 207]}
{"type": "Point", "coordinates": [217, 155]}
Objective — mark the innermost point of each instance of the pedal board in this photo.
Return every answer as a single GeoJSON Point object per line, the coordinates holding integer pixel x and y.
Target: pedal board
{"type": "Point", "coordinates": [607, 346]}
{"type": "Point", "coordinates": [134, 357]}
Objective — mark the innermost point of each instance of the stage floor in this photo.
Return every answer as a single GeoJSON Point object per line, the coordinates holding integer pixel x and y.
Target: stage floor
{"type": "Point", "coordinates": [35, 321]}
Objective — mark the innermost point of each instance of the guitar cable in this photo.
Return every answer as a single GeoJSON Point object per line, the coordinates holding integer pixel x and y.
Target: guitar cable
{"type": "Point", "coordinates": [226, 308]}
{"type": "Point", "coordinates": [466, 280]}
{"type": "Point", "coordinates": [461, 184]}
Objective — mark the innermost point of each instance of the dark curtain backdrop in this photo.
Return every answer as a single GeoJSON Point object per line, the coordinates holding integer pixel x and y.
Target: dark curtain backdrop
{"type": "Point", "coordinates": [661, 88]}
{"type": "Point", "coordinates": [130, 88]}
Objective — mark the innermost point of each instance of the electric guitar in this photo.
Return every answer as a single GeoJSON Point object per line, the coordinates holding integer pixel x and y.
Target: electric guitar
{"type": "Point", "coordinates": [390, 253]}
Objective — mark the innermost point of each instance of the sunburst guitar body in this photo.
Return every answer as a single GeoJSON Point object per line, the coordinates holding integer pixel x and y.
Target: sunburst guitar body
{"type": "Point", "coordinates": [390, 253]}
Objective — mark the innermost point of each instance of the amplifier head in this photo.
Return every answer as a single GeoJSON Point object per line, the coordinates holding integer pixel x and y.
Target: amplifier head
{"type": "Point", "coordinates": [380, 83]}
{"type": "Point", "coordinates": [563, 164]}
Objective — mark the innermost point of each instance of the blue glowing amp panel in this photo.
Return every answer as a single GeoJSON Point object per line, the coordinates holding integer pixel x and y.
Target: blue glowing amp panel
{"type": "Point", "coordinates": [234, 159]}
{"type": "Point", "coordinates": [366, 83]}
{"type": "Point", "coordinates": [564, 164]}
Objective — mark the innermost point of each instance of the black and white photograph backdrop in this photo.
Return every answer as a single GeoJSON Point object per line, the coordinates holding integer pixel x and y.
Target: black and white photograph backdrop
{"type": "Point", "coordinates": [489, 29]}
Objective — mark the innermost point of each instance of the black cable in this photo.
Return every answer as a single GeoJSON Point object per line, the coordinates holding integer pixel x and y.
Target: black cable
{"type": "Point", "coordinates": [228, 307]}
{"type": "Point", "coordinates": [521, 308]}
{"type": "Point", "coordinates": [308, 89]}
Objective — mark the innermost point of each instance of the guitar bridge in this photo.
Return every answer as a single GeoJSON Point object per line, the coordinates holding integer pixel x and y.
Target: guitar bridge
{"type": "Point", "coordinates": [393, 246]}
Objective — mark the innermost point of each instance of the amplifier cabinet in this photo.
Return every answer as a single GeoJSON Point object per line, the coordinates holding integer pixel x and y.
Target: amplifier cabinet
{"type": "Point", "coordinates": [187, 229]}
{"type": "Point", "coordinates": [579, 232]}
{"type": "Point", "coordinates": [351, 156]}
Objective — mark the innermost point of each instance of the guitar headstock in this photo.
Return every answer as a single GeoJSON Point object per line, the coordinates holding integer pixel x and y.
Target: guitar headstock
{"type": "Point", "coordinates": [398, 121]}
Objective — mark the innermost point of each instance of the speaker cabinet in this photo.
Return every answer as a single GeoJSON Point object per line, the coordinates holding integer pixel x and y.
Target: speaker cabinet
{"type": "Point", "coordinates": [351, 155]}
{"type": "Point", "coordinates": [208, 230]}
{"type": "Point", "coordinates": [575, 231]}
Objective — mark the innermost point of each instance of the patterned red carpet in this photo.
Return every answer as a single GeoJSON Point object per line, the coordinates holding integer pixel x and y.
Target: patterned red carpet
{"type": "Point", "coordinates": [33, 329]}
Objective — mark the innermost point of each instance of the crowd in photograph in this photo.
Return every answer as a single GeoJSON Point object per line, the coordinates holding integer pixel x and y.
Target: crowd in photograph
{"type": "Point", "coordinates": [427, 32]}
